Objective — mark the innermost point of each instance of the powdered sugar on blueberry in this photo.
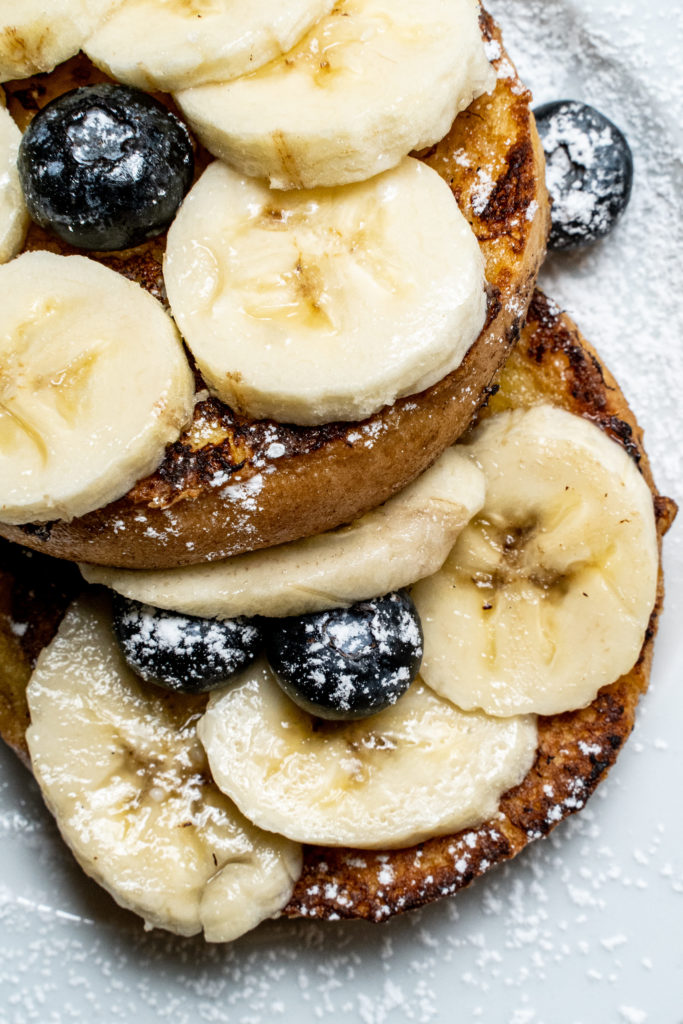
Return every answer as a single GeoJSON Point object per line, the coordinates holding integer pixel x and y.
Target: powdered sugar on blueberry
{"type": "Point", "coordinates": [348, 662]}
{"type": "Point", "coordinates": [182, 652]}
{"type": "Point", "coordinates": [589, 172]}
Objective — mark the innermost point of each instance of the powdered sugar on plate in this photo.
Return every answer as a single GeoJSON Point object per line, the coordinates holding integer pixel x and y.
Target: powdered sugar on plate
{"type": "Point", "coordinates": [581, 928]}
{"type": "Point", "coordinates": [621, 291]}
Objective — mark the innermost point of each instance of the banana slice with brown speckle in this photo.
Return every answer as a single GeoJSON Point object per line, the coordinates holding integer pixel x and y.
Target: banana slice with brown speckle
{"type": "Point", "coordinates": [120, 767]}
{"type": "Point", "coordinates": [547, 593]}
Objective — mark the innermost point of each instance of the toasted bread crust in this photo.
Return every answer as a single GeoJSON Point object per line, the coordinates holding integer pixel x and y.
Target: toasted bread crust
{"type": "Point", "coordinates": [551, 363]}
{"type": "Point", "coordinates": [220, 490]}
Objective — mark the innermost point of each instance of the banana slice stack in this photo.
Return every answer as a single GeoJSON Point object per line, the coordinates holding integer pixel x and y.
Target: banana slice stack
{"type": "Point", "coordinates": [317, 272]}
{"type": "Point", "coordinates": [332, 302]}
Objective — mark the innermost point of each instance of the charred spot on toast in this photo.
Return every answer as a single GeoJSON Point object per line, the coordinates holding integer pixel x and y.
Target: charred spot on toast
{"type": "Point", "coordinates": [38, 531]}
{"type": "Point", "coordinates": [42, 589]}
{"type": "Point", "coordinates": [665, 511]}
{"type": "Point", "coordinates": [221, 444]}
{"type": "Point", "coordinates": [497, 204]}
{"type": "Point", "coordinates": [586, 379]}
{"type": "Point", "coordinates": [623, 433]}
{"type": "Point", "coordinates": [511, 195]}
{"type": "Point", "coordinates": [568, 769]}
{"type": "Point", "coordinates": [557, 365]}
{"type": "Point", "coordinates": [494, 305]}
{"type": "Point", "coordinates": [487, 25]}
{"type": "Point", "coordinates": [493, 173]}
{"type": "Point", "coordinates": [28, 99]}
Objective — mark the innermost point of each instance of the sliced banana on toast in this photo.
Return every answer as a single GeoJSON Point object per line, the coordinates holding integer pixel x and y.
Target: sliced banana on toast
{"type": "Point", "coordinates": [120, 767]}
{"type": "Point", "coordinates": [547, 594]}
{"type": "Point", "coordinates": [370, 82]}
{"type": "Point", "coordinates": [13, 213]}
{"type": "Point", "coordinates": [94, 385]}
{"type": "Point", "coordinates": [315, 306]}
{"type": "Point", "coordinates": [405, 539]}
{"type": "Point", "coordinates": [173, 44]}
{"type": "Point", "coordinates": [418, 769]}
{"type": "Point", "coordinates": [36, 35]}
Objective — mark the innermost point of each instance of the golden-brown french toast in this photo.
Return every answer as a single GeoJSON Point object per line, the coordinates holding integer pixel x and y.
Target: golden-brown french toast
{"type": "Point", "coordinates": [220, 490]}
{"type": "Point", "coordinates": [551, 363]}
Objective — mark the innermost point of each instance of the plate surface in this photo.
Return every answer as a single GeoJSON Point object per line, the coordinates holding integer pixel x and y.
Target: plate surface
{"type": "Point", "coordinates": [583, 926]}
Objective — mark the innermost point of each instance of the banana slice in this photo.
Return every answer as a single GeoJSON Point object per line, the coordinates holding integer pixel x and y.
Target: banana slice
{"type": "Point", "coordinates": [309, 307]}
{"type": "Point", "coordinates": [547, 594]}
{"type": "Point", "coordinates": [370, 82]}
{"type": "Point", "coordinates": [36, 36]}
{"type": "Point", "coordinates": [407, 538]}
{"type": "Point", "coordinates": [120, 766]}
{"type": "Point", "coordinates": [13, 212]}
{"type": "Point", "coordinates": [94, 384]}
{"type": "Point", "coordinates": [174, 44]}
{"type": "Point", "coordinates": [420, 768]}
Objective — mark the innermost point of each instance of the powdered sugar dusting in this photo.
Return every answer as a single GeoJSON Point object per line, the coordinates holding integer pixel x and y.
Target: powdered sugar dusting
{"type": "Point", "coordinates": [580, 148]}
{"type": "Point", "coordinates": [350, 659]}
{"type": "Point", "coordinates": [614, 67]}
{"type": "Point", "coordinates": [186, 653]}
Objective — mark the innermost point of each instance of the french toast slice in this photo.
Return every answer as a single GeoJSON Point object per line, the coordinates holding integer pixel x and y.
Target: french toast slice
{"type": "Point", "coordinates": [551, 363]}
{"type": "Point", "coordinates": [218, 490]}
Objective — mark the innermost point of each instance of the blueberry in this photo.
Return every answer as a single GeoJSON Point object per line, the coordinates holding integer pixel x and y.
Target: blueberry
{"type": "Point", "coordinates": [589, 171]}
{"type": "Point", "coordinates": [105, 167]}
{"type": "Point", "coordinates": [348, 662]}
{"type": "Point", "coordinates": [183, 653]}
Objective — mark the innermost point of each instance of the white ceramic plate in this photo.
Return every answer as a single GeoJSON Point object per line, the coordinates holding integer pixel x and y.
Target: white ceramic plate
{"type": "Point", "coordinates": [585, 927]}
